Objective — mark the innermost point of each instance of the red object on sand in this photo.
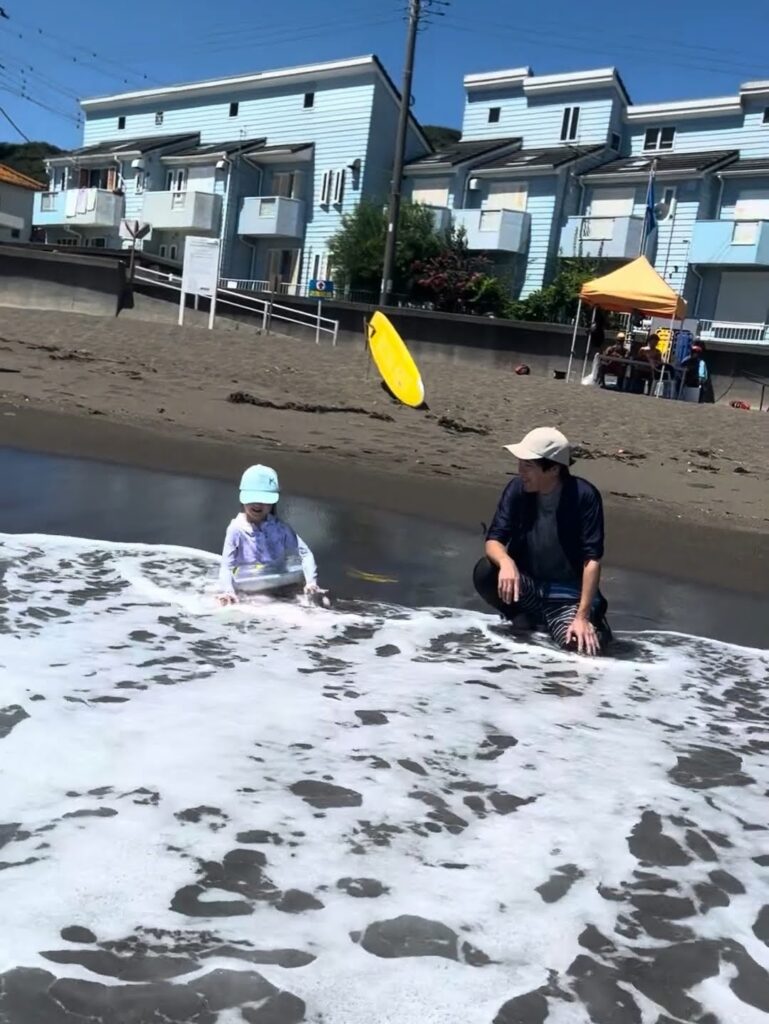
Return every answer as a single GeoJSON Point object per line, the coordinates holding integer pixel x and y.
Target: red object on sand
{"type": "Point", "coordinates": [739, 404]}
{"type": "Point", "coordinates": [522, 370]}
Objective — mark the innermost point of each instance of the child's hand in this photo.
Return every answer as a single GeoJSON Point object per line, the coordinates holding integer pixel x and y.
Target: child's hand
{"type": "Point", "coordinates": [314, 593]}
{"type": "Point", "coordinates": [227, 599]}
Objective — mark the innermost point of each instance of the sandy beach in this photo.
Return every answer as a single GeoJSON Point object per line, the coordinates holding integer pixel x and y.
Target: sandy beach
{"type": "Point", "coordinates": [685, 487]}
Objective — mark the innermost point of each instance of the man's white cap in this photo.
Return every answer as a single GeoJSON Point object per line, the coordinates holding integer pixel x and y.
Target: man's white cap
{"type": "Point", "coordinates": [543, 443]}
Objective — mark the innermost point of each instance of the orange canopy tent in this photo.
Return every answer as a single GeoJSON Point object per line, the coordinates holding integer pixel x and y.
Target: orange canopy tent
{"type": "Point", "coordinates": [636, 287]}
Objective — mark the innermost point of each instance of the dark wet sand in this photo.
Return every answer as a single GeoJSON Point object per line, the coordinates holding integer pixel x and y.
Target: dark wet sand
{"type": "Point", "coordinates": [641, 535]}
{"type": "Point", "coordinates": [424, 563]}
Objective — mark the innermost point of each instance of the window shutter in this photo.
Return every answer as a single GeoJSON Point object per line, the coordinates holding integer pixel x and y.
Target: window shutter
{"type": "Point", "coordinates": [325, 188]}
{"type": "Point", "coordinates": [338, 187]}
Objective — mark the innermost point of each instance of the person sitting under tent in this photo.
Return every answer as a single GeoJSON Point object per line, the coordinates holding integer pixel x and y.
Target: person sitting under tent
{"type": "Point", "coordinates": [606, 364]}
{"type": "Point", "coordinates": [650, 354]}
{"type": "Point", "coordinates": [695, 374]}
{"type": "Point", "coordinates": [545, 545]}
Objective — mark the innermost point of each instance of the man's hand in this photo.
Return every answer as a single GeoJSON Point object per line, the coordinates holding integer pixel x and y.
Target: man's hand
{"type": "Point", "coordinates": [509, 583]}
{"type": "Point", "coordinates": [582, 632]}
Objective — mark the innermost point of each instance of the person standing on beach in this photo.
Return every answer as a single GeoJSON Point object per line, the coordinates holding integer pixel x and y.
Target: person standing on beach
{"type": "Point", "coordinates": [545, 545]}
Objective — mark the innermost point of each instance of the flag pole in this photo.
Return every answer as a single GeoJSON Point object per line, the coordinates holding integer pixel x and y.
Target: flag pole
{"type": "Point", "coordinates": [589, 341]}
{"type": "Point", "coordinates": [574, 338]}
{"type": "Point", "coordinates": [649, 218]}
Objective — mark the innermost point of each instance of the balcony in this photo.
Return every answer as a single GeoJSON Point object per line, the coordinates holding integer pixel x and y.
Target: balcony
{"type": "Point", "coordinates": [742, 243]}
{"type": "Point", "coordinates": [617, 238]}
{"type": "Point", "coordinates": [272, 217]}
{"type": "Point", "coordinates": [495, 230]}
{"type": "Point", "coordinates": [79, 208]}
{"type": "Point", "coordinates": [196, 213]}
{"type": "Point", "coordinates": [441, 217]}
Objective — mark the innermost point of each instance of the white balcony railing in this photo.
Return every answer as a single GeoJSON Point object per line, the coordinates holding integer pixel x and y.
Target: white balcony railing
{"type": "Point", "coordinates": [79, 208]}
{"type": "Point", "coordinates": [189, 211]}
{"type": "Point", "coordinates": [724, 330]}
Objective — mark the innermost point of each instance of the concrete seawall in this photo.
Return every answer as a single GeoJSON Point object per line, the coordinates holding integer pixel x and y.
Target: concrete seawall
{"type": "Point", "coordinates": [35, 279]}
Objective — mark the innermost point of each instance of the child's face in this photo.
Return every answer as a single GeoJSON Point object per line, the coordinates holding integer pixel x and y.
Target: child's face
{"type": "Point", "coordinates": [257, 513]}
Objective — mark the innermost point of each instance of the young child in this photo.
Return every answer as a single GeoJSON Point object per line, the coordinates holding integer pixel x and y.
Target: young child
{"type": "Point", "coordinates": [257, 537]}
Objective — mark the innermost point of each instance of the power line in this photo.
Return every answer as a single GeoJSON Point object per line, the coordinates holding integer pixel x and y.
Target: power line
{"type": "Point", "coordinates": [11, 121]}
{"type": "Point", "coordinates": [565, 41]}
{"type": "Point", "coordinates": [92, 55]}
{"type": "Point", "coordinates": [10, 87]}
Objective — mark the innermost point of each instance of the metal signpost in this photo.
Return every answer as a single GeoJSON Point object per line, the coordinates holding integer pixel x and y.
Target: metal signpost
{"type": "Point", "coordinates": [200, 273]}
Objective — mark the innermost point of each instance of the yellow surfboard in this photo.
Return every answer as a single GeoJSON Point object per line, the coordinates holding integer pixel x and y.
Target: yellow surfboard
{"type": "Point", "coordinates": [393, 360]}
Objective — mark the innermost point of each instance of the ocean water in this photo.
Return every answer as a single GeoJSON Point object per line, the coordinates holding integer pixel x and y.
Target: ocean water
{"type": "Point", "coordinates": [277, 814]}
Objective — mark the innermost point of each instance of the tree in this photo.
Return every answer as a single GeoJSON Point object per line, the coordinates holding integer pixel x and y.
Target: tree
{"type": "Point", "coordinates": [441, 137]}
{"type": "Point", "coordinates": [356, 251]}
{"type": "Point", "coordinates": [458, 281]}
{"type": "Point", "coordinates": [28, 157]}
{"type": "Point", "coordinates": [557, 302]}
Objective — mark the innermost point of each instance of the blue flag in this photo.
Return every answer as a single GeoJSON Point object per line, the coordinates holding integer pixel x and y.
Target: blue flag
{"type": "Point", "coordinates": [650, 220]}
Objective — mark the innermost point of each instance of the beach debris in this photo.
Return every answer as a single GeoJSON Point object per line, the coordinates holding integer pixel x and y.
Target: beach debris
{"type": "Point", "coordinates": [737, 403]}
{"type": "Point", "coordinates": [245, 398]}
{"type": "Point", "coordinates": [79, 355]}
{"type": "Point", "coordinates": [741, 469]}
{"type": "Point", "coordinates": [459, 427]}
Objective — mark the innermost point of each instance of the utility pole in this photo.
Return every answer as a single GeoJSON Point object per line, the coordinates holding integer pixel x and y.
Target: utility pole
{"type": "Point", "coordinates": [393, 213]}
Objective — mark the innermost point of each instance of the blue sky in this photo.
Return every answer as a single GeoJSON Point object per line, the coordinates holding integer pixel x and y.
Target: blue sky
{"type": "Point", "coordinates": [664, 50]}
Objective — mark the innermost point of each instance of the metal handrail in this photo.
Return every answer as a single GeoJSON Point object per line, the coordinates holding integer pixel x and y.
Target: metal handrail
{"type": "Point", "coordinates": [251, 303]}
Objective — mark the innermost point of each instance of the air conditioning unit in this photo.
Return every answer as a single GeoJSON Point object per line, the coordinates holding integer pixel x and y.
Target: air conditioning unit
{"type": "Point", "coordinates": [138, 164]}
{"type": "Point", "coordinates": [474, 184]}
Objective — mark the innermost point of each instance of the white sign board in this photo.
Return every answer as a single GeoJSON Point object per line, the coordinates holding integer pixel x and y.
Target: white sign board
{"type": "Point", "coordinates": [200, 272]}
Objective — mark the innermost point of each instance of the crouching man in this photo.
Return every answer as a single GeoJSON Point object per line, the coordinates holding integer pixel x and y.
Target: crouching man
{"type": "Point", "coordinates": [545, 545]}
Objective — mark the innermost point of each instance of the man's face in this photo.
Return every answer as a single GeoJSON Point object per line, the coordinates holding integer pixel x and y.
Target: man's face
{"type": "Point", "coordinates": [535, 479]}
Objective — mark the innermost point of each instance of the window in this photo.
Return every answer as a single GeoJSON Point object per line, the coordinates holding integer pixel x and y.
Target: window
{"type": "Point", "coordinates": [140, 181]}
{"type": "Point", "coordinates": [47, 202]}
{"type": "Point", "coordinates": [67, 241]}
{"type": "Point", "coordinates": [766, 115]}
{"type": "Point", "coordinates": [431, 192]}
{"type": "Point", "coordinates": [315, 268]}
{"type": "Point", "coordinates": [325, 188]}
{"type": "Point", "coordinates": [159, 117]}
{"type": "Point", "coordinates": [570, 124]}
{"type": "Point", "coordinates": [162, 251]}
{"type": "Point", "coordinates": [176, 181]}
{"type": "Point", "coordinates": [309, 100]}
{"type": "Point", "coordinates": [234, 108]}
{"type": "Point", "coordinates": [503, 195]}
{"type": "Point", "coordinates": [495, 113]}
{"type": "Point", "coordinates": [287, 184]}
{"type": "Point", "coordinates": [15, 233]}
{"type": "Point", "coordinates": [338, 190]}
{"type": "Point", "coordinates": [659, 138]}
{"type": "Point", "coordinates": [172, 252]}
{"type": "Point", "coordinates": [121, 124]}
{"type": "Point", "coordinates": [615, 141]}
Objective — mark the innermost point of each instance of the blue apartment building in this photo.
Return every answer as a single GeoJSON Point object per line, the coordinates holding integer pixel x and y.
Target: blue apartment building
{"type": "Point", "coordinates": [515, 177]}
{"type": "Point", "coordinates": [548, 167]}
{"type": "Point", "coordinates": [267, 162]}
{"type": "Point", "coordinates": [558, 166]}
